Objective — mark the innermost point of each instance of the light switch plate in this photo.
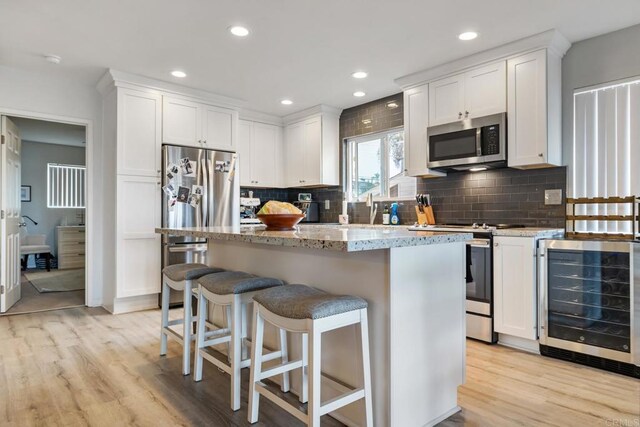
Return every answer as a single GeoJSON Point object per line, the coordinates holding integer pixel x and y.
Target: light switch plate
{"type": "Point", "coordinates": [327, 204]}
{"type": "Point", "coordinates": [553, 197]}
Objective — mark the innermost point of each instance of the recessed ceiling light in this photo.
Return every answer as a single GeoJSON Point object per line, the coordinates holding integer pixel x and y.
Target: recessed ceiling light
{"type": "Point", "coordinates": [54, 59]}
{"type": "Point", "coordinates": [478, 169]}
{"type": "Point", "coordinates": [469, 35]}
{"type": "Point", "coordinates": [359, 75]}
{"type": "Point", "coordinates": [359, 94]}
{"type": "Point", "coordinates": [179, 74]}
{"type": "Point", "coordinates": [239, 31]}
{"type": "Point", "coordinates": [286, 102]}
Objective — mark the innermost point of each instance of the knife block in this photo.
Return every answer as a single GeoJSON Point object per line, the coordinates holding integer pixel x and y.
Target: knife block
{"type": "Point", "coordinates": [425, 217]}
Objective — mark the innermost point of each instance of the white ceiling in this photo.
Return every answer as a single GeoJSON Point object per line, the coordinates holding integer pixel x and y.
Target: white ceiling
{"type": "Point", "coordinates": [299, 49]}
{"type": "Point", "coordinates": [50, 132]}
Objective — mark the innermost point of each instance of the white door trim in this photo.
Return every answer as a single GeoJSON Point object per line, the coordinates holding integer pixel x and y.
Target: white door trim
{"type": "Point", "coordinates": [90, 285]}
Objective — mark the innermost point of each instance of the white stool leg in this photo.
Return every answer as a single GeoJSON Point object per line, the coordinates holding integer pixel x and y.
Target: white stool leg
{"type": "Point", "coordinates": [186, 334]}
{"type": "Point", "coordinates": [256, 364]}
{"type": "Point", "coordinates": [366, 366]}
{"type": "Point", "coordinates": [165, 318]}
{"type": "Point", "coordinates": [245, 322]}
{"type": "Point", "coordinates": [304, 388]}
{"type": "Point", "coordinates": [227, 322]}
{"type": "Point", "coordinates": [236, 351]}
{"type": "Point", "coordinates": [202, 318]}
{"type": "Point", "coordinates": [315, 353]}
{"type": "Point", "coordinates": [284, 358]}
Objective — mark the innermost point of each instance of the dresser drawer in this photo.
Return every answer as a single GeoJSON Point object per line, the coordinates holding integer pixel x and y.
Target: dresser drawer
{"type": "Point", "coordinates": [70, 261]}
{"type": "Point", "coordinates": [66, 234]}
{"type": "Point", "coordinates": [71, 248]}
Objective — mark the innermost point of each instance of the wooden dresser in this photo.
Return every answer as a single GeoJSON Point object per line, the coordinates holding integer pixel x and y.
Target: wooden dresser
{"type": "Point", "coordinates": [71, 246]}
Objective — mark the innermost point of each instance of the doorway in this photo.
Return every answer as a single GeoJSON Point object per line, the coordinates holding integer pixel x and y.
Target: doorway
{"type": "Point", "coordinates": [50, 194]}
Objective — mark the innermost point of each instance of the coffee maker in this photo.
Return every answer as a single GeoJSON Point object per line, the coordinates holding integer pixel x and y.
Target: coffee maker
{"type": "Point", "coordinates": [248, 210]}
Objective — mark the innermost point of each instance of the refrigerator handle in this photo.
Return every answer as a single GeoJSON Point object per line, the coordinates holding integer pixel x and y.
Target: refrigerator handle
{"type": "Point", "coordinates": [210, 190]}
{"type": "Point", "coordinates": [205, 196]}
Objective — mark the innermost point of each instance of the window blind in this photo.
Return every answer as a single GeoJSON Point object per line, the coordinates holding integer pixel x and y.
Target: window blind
{"type": "Point", "coordinates": [606, 150]}
{"type": "Point", "coordinates": [65, 186]}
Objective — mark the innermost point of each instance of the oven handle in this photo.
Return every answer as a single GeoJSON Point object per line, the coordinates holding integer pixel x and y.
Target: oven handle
{"type": "Point", "coordinates": [479, 243]}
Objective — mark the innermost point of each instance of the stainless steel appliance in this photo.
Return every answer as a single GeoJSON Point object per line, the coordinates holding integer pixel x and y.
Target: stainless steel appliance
{"type": "Point", "coordinates": [479, 277]}
{"type": "Point", "coordinates": [468, 144]}
{"type": "Point", "coordinates": [590, 303]}
{"type": "Point", "coordinates": [203, 192]}
{"type": "Point", "coordinates": [310, 209]}
{"type": "Point", "coordinates": [248, 210]}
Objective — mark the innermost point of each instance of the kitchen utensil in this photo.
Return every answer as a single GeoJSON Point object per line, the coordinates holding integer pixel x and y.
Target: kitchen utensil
{"type": "Point", "coordinates": [280, 222]}
{"type": "Point", "coordinates": [422, 218]}
{"type": "Point", "coordinates": [419, 200]}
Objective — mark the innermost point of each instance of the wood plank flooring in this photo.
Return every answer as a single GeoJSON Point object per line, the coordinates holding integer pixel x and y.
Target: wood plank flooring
{"type": "Point", "coordinates": [83, 366]}
{"type": "Point", "coordinates": [33, 301]}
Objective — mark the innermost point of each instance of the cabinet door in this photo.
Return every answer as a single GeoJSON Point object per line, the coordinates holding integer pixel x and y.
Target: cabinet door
{"type": "Point", "coordinates": [527, 109]}
{"type": "Point", "coordinates": [181, 122]}
{"type": "Point", "coordinates": [139, 133]}
{"type": "Point", "coordinates": [295, 154]}
{"type": "Point", "coordinates": [264, 150]}
{"type": "Point", "coordinates": [244, 152]}
{"type": "Point", "coordinates": [219, 128]}
{"type": "Point", "coordinates": [312, 152]}
{"type": "Point", "coordinates": [446, 100]}
{"type": "Point", "coordinates": [485, 90]}
{"type": "Point", "coordinates": [515, 291]}
{"type": "Point", "coordinates": [138, 246]}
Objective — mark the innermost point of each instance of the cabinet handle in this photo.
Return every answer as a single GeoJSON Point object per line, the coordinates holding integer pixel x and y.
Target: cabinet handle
{"type": "Point", "coordinates": [466, 114]}
{"type": "Point", "coordinates": [495, 244]}
{"type": "Point", "coordinates": [204, 141]}
{"type": "Point", "coordinates": [459, 115]}
{"type": "Point", "coordinates": [159, 171]}
{"type": "Point", "coordinates": [541, 155]}
{"type": "Point", "coordinates": [199, 141]}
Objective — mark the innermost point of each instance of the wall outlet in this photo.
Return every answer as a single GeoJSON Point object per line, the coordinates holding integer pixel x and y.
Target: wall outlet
{"type": "Point", "coordinates": [327, 205]}
{"type": "Point", "coordinates": [552, 197]}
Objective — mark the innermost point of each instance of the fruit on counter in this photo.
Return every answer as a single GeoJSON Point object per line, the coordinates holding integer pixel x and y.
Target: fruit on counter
{"type": "Point", "coordinates": [273, 207]}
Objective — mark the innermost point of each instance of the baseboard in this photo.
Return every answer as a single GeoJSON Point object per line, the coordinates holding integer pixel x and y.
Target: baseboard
{"type": "Point", "coordinates": [530, 346]}
{"type": "Point", "coordinates": [131, 304]}
{"type": "Point", "coordinates": [444, 416]}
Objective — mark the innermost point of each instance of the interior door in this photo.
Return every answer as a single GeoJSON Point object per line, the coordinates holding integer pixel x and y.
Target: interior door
{"type": "Point", "coordinates": [10, 215]}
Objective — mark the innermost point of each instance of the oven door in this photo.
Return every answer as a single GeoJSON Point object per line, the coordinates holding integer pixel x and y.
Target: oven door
{"type": "Point", "coordinates": [479, 292]}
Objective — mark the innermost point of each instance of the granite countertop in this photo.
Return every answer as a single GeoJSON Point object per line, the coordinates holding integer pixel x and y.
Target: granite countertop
{"type": "Point", "coordinates": [350, 238]}
{"type": "Point", "coordinates": [530, 232]}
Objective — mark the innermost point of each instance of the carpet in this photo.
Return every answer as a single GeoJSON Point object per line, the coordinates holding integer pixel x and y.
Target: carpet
{"type": "Point", "coordinates": [57, 280]}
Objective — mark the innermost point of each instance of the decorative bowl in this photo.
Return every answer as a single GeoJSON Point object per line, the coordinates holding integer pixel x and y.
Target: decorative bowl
{"type": "Point", "coordinates": [280, 222]}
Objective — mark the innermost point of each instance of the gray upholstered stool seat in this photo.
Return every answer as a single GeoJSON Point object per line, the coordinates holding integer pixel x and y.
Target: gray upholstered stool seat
{"type": "Point", "coordinates": [304, 302]}
{"type": "Point", "coordinates": [236, 282]}
{"type": "Point", "coordinates": [188, 271]}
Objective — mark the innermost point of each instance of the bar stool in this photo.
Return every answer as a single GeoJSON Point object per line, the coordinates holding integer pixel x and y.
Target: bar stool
{"type": "Point", "coordinates": [180, 277]}
{"type": "Point", "coordinates": [300, 308]}
{"type": "Point", "coordinates": [232, 290]}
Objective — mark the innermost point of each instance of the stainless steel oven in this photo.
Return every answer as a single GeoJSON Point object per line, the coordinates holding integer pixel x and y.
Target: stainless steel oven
{"type": "Point", "coordinates": [590, 303]}
{"type": "Point", "coordinates": [479, 303]}
{"type": "Point", "coordinates": [469, 143]}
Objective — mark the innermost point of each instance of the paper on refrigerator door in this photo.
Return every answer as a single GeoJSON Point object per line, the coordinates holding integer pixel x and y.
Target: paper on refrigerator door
{"type": "Point", "coordinates": [187, 167]}
{"type": "Point", "coordinates": [197, 190]}
{"type": "Point", "coordinates": [172, 170]}
{"type": "Point", "coordinates": [183, 194]}
{"type": "Point", "coordinates": [169, 190]}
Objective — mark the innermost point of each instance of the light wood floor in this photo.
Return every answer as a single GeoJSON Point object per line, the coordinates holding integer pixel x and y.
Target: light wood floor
{"type": "Point", "coordinates": [84, 366]}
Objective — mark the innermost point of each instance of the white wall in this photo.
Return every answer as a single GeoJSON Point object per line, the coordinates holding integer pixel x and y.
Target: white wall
{"type": "Point", "coordinates": [601, 59]}
{"type": "Point", "coordinates": [42, 93]}
{"type": "Point", "coordinates": [35, 157]}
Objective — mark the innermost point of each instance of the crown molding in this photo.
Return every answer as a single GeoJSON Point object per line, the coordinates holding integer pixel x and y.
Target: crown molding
{"type": "Point", "coordinates": [552, 40]}
{"type": "Point", "coordinates": [257, 116]}
{"type": "Point", "coordinates": [318, 109]}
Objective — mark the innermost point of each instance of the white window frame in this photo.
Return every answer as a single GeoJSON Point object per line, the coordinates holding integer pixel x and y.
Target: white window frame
{"type": "Point", "coordinates": [384, 179]}
{"type": "Point", "coordinates": [68, 192]}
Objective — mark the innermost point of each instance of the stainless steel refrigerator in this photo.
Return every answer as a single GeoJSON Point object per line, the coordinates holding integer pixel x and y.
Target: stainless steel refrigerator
{"type": "Point", "coordinates": [200, 188]}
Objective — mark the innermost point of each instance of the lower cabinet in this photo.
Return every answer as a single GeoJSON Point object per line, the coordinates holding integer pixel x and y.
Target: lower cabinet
{"type": "Point", "coordinates": [137, 244]}
{"type": "Point", "coordinates": [515, 291]}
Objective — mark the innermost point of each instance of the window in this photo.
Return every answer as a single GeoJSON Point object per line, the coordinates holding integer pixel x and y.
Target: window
{"type": "Point", "coordinates": [65, 186]}
{"type": "Point", "coordinates": [606, 150]}
{"type": "Point", "coordinates": [376, 166]}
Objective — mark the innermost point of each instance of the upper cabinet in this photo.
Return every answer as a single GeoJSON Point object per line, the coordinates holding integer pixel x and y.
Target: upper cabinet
{"type": "Point", "coordinates": [475, 93]}
{"type": "Point", "coordinates": [260, 154]}
{"type": "Point", "coordinates": [534, 110]}
{"type": "Point", "coordinates": [312, 151]}
{"type": "Point", "coordinates": [416, 120]}
{"type": "Point", "coordinates": [138, 132]}
{"type": "Point", "coordinates": [194, 124]}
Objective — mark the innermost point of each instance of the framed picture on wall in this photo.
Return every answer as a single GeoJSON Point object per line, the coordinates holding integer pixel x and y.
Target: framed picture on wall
{"type": "Point", "coordinates": [25, 193]}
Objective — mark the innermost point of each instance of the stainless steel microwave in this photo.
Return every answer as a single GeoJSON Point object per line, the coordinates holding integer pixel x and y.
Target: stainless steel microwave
{"type": "Point", "coordinates": [468, 144]}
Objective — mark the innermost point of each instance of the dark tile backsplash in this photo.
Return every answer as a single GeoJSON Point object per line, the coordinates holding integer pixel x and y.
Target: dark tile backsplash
{"type": "Point", "coordinates": [495, 196]}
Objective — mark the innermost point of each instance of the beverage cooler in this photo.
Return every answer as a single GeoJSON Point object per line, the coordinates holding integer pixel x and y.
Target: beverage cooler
{"type": "Point", "coordinates": [590, 303]}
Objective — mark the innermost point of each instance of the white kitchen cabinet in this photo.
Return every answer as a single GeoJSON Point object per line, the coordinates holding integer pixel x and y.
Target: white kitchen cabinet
{"type": "Point", "coordinates": [139, 142]}
{"type": "Point", "coordinates": [475, 93]}
{"type": "Point", "coordinates": [194, 124]}
{"type": "Point", "coordinates": [514, 288]}
{"type": "Point", "coordinates": [313, 152]}
{"type": "Point", "coordinates": [260, 151]}
{"type": "Point", "coordinates": [416, 120]}
{"type": "Point", "coordinates": [534, 110]}
{"type": "Point", "coordinates": [138, 245]}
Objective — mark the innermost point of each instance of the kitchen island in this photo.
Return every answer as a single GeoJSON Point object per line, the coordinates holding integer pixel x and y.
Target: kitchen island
{"type": "Point", "coordinates": [415, 285]}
